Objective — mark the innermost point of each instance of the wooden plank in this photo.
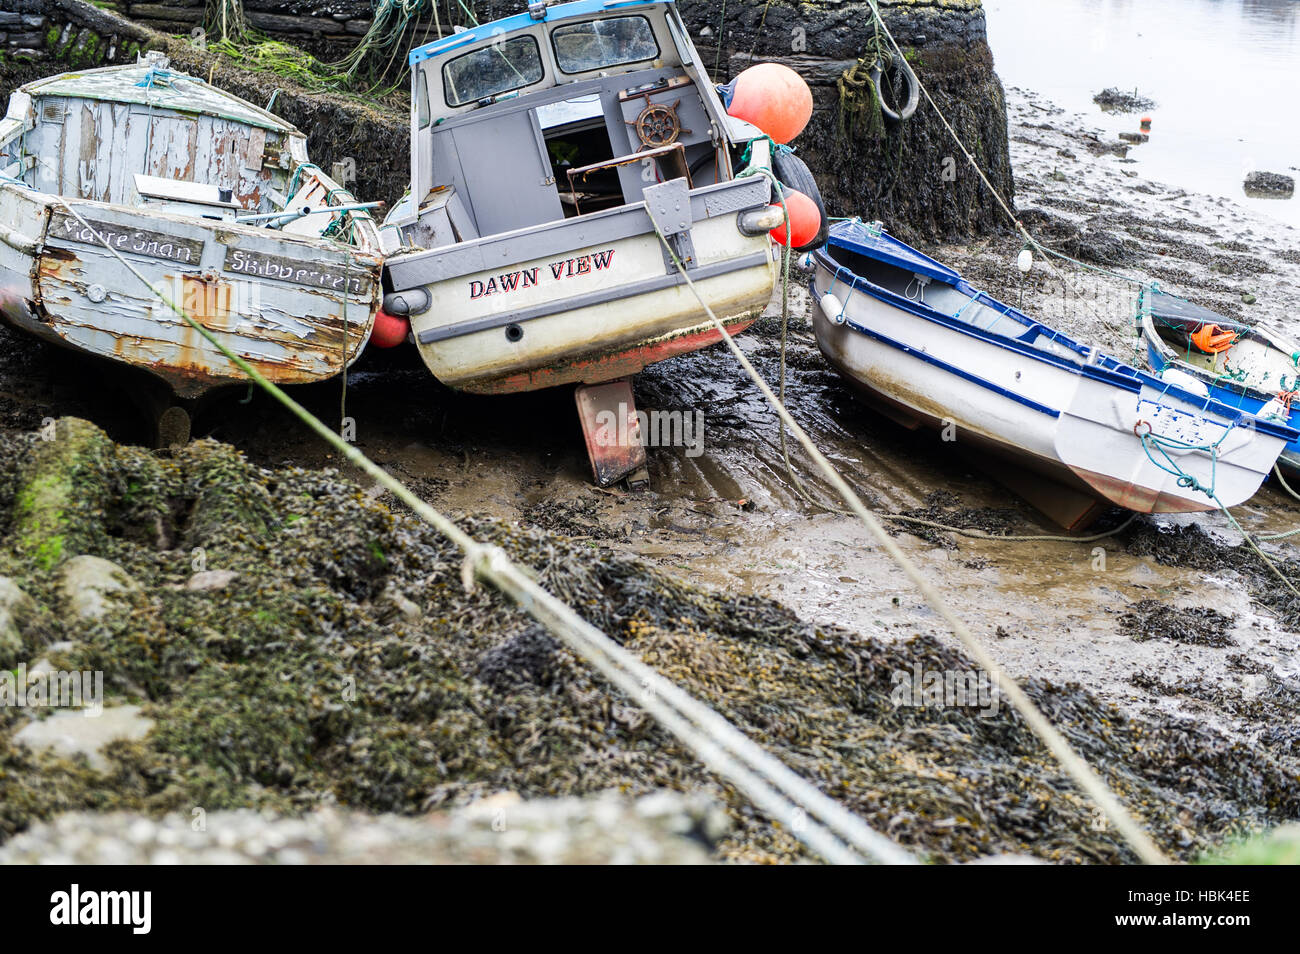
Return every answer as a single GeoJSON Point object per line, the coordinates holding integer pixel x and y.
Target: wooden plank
{"type": "Point", "coordinates": [172, 145]}
{"type": "Point", "coordinates": [115, 152]}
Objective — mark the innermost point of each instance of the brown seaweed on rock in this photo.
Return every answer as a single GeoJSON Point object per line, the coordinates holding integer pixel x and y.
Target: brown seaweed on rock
{"type": "Point", "coordinates": [346, 663]}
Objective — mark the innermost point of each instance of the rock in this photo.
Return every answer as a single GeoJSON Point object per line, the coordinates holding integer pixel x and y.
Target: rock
{"type": "Point", "coordinates": [662, 828]}
{"type": "Point", "coordinates": [1134, 137]}
{"type": "Point", "coordinates": [1248, 299]}
{"type": "Point", "coordinates": [59, 498]}
{"type": "Point", "coordinates": [17, 615]}
{"type": "Point", "coordinates": [1099, 148]}
{"type": "Point", "coordinates": [1116, 101]}
{"type": "Point", "coordinates": [1271, 184]}
{"type": "Point", "coordinates": [72, 733]}
{"type": "Point", "coordinates": [209, 581]}
{"type": "Point", "coordinates": [87, 582]}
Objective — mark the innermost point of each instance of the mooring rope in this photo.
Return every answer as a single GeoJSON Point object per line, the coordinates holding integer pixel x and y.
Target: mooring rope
{"type": "Point", "coordinates": [974, 163]}
{"type": "Point", "coordinates": [1074, 764]}
{"type": "Point", "coordinates": [771, 785]}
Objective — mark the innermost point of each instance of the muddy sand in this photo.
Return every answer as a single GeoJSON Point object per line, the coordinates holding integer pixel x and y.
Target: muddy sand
{"type": "Point", "coordinates": [1167, 652]}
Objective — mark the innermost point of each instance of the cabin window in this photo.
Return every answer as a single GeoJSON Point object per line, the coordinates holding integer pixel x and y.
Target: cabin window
{"type": "Point", "coordinates": [493, 70]}
{"type": "Point", "coordinates": [422, 99]}
{"type": "Point", "coordinates": [600, 44]}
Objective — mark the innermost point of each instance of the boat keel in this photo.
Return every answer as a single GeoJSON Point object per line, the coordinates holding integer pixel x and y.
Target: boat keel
{"type": "Point", "coordinates": [612, 430]}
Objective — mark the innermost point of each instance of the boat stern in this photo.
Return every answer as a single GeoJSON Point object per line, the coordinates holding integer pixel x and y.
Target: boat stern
{"type": "Point", "coordinates": [591, 298]}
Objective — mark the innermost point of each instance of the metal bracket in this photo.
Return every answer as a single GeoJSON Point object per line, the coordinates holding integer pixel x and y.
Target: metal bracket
{"type": "Point", "coordinates": [669, 206]}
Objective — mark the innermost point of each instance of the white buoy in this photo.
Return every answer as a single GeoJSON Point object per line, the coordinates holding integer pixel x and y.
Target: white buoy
{"type": "Point", "coordinates": [1025, 261]}
{"type": "Point", "coordinates": [832, 309]}
{"type": "Point", "coordinates": [1181, 379]}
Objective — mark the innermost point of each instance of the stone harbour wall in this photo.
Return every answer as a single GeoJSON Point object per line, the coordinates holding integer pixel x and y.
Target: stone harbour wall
{"type": "Point", "coordinates": [911, 175]}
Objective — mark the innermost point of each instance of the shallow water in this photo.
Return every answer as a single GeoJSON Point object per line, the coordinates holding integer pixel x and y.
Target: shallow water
{"type": "Point", "coordinates": [1224, 75]}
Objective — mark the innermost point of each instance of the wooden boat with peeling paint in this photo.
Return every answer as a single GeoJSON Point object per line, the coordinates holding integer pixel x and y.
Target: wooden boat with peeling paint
{"type": "Point", "coordinates": [929, 349]}
{"type": "Point", "coordinates": [211, 199]}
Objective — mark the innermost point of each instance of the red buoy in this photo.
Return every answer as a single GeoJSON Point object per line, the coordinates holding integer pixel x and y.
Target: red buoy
{"type": "Point", "coordinates": [805, 220]}
{"type": "Point", "coordinates": [389, 330]}
{"type": "Point", "coordinates": [774, 98]}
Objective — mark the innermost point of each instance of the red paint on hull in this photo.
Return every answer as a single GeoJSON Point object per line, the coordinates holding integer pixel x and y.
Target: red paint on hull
{"type": "Point", "coordinates": [1143, 499]}
{"type": "Point", "coordinates": [611, 366]}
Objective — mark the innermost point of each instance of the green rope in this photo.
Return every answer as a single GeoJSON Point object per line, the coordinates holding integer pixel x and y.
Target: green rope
{"type": "Point", "coordinates": [226, 20]}
{"type": "Point", "coordinates": [387, 27]}
{"type": "Point", "coordinates": [860, 103]}
{"type": "Point", "coordinates": [1162, 444]}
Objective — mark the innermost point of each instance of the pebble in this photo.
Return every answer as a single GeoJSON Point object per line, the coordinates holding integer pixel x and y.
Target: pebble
{"type": "Point", "coordinates": [90, 583]}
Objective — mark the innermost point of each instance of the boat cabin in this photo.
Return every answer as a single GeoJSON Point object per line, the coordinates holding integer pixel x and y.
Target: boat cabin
{"type": "Point", "coordinates": [558, 112]}
{"type": "Point", "coordinates": [145, 136]}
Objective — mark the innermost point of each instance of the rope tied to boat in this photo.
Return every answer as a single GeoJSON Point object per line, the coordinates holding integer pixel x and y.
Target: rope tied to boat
{"type": "Point", "coordinates": [860, 96]}
{"type": "Point", "coordinates": [1074, 765]}
{"type": "Point", "coordinates": [860, 100]}
{"type": "Point", "coordinates": [824, 825]}
{"type": "Point", "coordinates": [1164, 444]}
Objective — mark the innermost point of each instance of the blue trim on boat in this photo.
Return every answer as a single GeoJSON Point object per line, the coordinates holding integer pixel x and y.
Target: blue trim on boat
{"type": "Point", "coordinates": [521, 21]}
{"type": "Point", "coordinates": [1108, 370]}
{"type": "Point", "coordinates": [954, 370]}
{"type": "Point", "coordinates": [1244, 399]}
{"type": "Point", "coordinates": [883, 247]}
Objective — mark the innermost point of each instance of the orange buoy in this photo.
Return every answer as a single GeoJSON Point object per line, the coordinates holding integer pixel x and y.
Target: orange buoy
{"type": "Point", "coordinates": [772, 97]}
{"type": "Point", "coordinates": [1212, 339]}
{"type": "Point", "coordinates": [805, 221]}
{"type": "Point", "coordinates": [389, 330]}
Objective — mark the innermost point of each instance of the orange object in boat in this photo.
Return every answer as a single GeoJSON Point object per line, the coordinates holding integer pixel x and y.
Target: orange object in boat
{"type": "Point", "coordinates": [1212, 339]}
{"type": "Point", "coordinates": [805, 220]}
{"type": "Point", "coordinates": [774, 98]}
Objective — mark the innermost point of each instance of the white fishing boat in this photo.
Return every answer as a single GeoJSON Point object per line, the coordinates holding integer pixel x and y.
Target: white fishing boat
{"type": "Point", "coordinates": [931, 350]}
{"type": "Point", "coordinates": [211, 199]}
{"type": "Point", "coordinates": [549, 151]}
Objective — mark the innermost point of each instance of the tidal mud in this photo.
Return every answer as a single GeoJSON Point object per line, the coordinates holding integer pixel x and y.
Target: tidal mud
{"type": "Point", "coordinates": [340, 661]}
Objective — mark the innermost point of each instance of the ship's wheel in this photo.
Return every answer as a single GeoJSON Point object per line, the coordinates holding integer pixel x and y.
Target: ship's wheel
{"type": "Point", "coordinates": [658, 125]}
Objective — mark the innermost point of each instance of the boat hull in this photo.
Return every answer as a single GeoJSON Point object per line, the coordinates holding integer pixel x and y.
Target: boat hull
{"type": "Point", "coordinates": [297, 309]}
{"type": "Point", "coordinates": [1037, 405]}
{"type": "Point", "coordinates": [589, 299]}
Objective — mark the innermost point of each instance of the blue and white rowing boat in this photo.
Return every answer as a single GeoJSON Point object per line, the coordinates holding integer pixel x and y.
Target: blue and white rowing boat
{"type": "Point", "coordinates": [919, 340]}
{"type": "Point", "coordinates": [1255, 369]}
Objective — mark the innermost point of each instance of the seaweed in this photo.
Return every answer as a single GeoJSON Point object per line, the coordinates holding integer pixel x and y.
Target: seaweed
{"type": "Point", "coordinates": [346, 663]}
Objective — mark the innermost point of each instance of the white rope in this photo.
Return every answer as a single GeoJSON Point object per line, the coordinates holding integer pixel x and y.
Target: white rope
{"type": "Point", "coordinates": [1071, 761]}
{"type": "Point", "coordinates": [723, 748]}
